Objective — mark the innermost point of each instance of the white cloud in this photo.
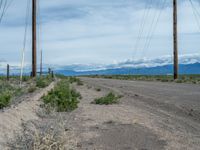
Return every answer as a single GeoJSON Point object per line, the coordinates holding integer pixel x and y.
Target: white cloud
{"type": "Point", "coordinates": [96, 31]}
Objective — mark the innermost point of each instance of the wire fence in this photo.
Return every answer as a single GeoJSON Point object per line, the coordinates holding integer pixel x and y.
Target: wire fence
{"type": "Point", "coordinates": [15, 71]}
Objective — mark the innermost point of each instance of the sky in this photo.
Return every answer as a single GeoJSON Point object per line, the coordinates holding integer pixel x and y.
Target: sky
{"type": "Point", "coordinates": [99, 31]}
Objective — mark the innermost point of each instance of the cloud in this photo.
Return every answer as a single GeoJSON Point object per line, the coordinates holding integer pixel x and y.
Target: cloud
{"type": "Point", "coordinates": [97, 31]}
{"type": "Point", "coordinates": [137, 63]}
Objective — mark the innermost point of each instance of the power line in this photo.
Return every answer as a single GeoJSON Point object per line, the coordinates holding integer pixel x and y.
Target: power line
{"type": "Point", "coordinates": [142, 26]}
{"type": "Point", "coordinates": [195, 13]}
{"type": "Point", "coordinates": [154, 25]}
{"type": "Point", "coordinates": [4, 5]}
{"type": "Point", "coordinates": [2, 9]}
{"type": "Point", "coordinates": [25, 39]}
{"type": "Point", "coordinates": [150, 29]}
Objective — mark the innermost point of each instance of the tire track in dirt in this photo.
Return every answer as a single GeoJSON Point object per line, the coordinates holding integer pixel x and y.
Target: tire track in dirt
{"type": "Point", "coordinates": [172, 129]}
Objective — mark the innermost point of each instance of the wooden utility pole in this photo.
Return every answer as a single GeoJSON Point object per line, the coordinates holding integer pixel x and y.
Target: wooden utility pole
{"type": "Point", "coordinates": [34, 39]}
{"type": "Point", "coordinates": [41, 64]}
{"type": "Point", "coordinates": [8, 72]}
{"type": "Point", "coordinates": [175, 35]}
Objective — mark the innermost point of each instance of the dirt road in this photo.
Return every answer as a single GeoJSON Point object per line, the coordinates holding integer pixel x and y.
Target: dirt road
{"type": "Point", "coordinates": [150, 116]}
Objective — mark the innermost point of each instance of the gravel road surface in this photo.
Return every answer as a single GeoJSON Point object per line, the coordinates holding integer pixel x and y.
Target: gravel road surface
{"type": "Point", "coordinates": [150, 116]}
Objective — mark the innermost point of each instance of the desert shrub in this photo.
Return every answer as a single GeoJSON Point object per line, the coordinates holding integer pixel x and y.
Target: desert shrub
{"type": "Point", "coordinates": [62, 98]}
{"type": "Point", "coordinates": [110, 98]}
{"type": "Point", "coordinates": [98, 89]}
{"type": "Point", "coordinates": [43, 81]}
{"type": "Point", "coordinates": [79, 82]}
{"type": "Point", "coordinates": [43, 136]}
{"type": "Point", "coordinates": [5, 99]}
{"type": "Point", "coordinates": [73, 79]}
{"type": "Point", "coordinates": [6, 92]}
{"type": "Point", "coordinates": [25, 78]}
{"type": "Point", "coordinates": [32, 89]}
{"type": "Point", "coordinates": [164, 80]}
{"type": "Point", "coordinates": [179, 81]}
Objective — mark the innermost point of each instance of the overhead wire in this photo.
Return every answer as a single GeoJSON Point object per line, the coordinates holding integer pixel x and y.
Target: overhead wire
{"type": "Point", "coordinates": [156, 16]}
{"type": "Point", "coordinates": [4, 5]}
{"type": "Point", "coordinates": [141, 30]}
{"type": "Point", "coordinates": [142, 25]}
{"type": "Point", "coordinates": [25, 40]}
{"type": "Point", "coordinates": [147, 36]}
{"type": "Point", "coordinates": [39, 24]}
{"type": "Point", "coordinates": [154, 25]}
{"type": "Point", "coordinates": [2, 9]}
{"type": "Point", "coordinates": [195, 13]}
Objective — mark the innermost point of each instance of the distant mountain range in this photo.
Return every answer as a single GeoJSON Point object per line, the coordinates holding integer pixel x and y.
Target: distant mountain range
{"type": "Point", "coordinates": [188, 64]}
{"type": "Point", "coordinates": [159, 70]}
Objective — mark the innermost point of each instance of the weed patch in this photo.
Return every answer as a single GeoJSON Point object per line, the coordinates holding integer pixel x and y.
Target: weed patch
{"type": "Point", "coordinates": [98, 89]}
{"type": "Point", "coordinates": [43, 81]}
{"type": "Point", "coordinates": [32, 89]}
{"type": "Point", "coordinates": [62, 98]}
{"type": "Point", "coordinates": [7, 91]}
{"type": "Point", "coordinates": [107, 100]}
{"type": "Point", "coordinates": [75, 80]}
{"type": "Point", "coordinates": [5, 99]}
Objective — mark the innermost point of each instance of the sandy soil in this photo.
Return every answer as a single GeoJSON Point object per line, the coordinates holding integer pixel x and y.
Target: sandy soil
{"type": "Point", "coordinates": [13, 117]}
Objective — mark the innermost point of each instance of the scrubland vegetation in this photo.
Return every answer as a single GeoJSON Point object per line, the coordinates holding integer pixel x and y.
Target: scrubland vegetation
{"type": "Point", "coordinates": [194, 79]}
{"type": "Point", "coordinates": [62, 98]}
{"type": "Point", "coordinates": [11, 90]}
{"type": "Point", "coordinates": [50, 132]}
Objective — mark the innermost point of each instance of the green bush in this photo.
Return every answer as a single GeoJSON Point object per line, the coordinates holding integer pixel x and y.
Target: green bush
{"type": "Point", "coordinates": [179, 81]}
{"type": "Point", "coordinates": [73, 79]}
{"type": "Point", "coordinates": [107, 100]}
{"type": "Point", "coordinates": [32, 89]}
{"type": "Point", "coordinates": [25, 78]}
{"type": "Point", "coordinates": [62, 98]}
{"type": "Point", "coordinates": [5, 99]}
{"type": "Point", "coordinates": [98, 89]}
{"type": "Point", "coordinates": [79, 82]}
{"type": "Point", "coordinates": [43, 81]}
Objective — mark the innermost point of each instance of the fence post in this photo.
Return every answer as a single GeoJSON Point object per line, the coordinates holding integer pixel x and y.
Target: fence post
{"type": "Point", "coordinates": [8, 72]}
{"type": "Point", "coordinates": [52, 74]}
{"type": "Point", "coordinates": [49, 70]}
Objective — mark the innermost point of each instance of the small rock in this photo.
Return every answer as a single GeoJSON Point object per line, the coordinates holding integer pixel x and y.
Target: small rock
{"type": "Point", "coordinates": [190, 114]}
{"type": "Point", "coordinates": [79, 145]}
{"type": "Point", "coordinates": [136, 95]}
{"type": "Point", "coordinates": [66, 130]}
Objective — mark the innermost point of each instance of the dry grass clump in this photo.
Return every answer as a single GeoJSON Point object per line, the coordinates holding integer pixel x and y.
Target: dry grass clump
{"type": "Point", "coordinates": [46, 135]}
